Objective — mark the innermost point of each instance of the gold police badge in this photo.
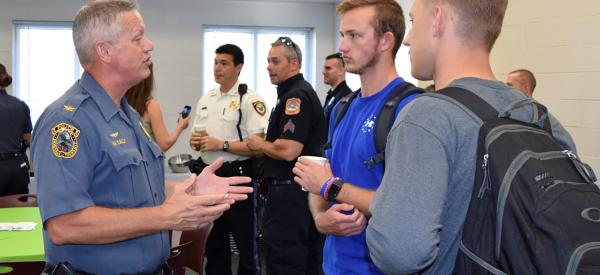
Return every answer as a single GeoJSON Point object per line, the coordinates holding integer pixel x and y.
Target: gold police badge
{"type": "Point", "coordinates": [259, 107]}
{"type": "Point", "coordinates": [234, 105]}
{"type": "Point", "coordinates": [64, 140]}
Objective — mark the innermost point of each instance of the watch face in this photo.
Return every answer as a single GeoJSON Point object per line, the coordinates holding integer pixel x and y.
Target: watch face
{"type": "Point", "coordinates": [334, 189]}
{"type": "Point", "coordinates": [225, 145]}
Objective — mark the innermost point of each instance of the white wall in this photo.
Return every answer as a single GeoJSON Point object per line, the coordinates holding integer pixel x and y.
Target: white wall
{"type": "Point", "coordinates": [559, 43]}
{"type": "Point", "coordinates": [175, 27]}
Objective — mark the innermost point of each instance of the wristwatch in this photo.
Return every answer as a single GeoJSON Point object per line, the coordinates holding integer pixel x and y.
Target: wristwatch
{"type": "Point", "coordinates": [334, 189]}
{"type": "Point", "coordinates": [226, 146]}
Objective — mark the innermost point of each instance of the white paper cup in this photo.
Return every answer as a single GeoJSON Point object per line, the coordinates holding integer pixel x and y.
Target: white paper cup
{"type": "Point", "coordinates": [200, 128]}
{"type": "Point", "coordinates": [318, 160]}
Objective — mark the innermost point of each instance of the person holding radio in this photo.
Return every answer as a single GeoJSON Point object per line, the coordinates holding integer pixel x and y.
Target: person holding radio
{"type": "Point", "coordinates": [225, 118]}
{"type": "Point", "coordinates": [140, 98]}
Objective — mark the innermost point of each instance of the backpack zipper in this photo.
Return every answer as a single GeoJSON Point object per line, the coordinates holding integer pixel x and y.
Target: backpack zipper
{"type": "Point", "coordinates": [553, 183]}
{"type": "Point", "coordinates": [486, 185]}
{"type": "Point", "coordinates": [577, 254]}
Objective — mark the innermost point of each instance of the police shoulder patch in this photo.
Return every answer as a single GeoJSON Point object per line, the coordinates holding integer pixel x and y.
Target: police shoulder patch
{"type": "Point", "coordinates": [64, 140]}
{"type": "Point", "coordinates": [292, 106]}
{"type": "Point", "coordinates": [259, 107]}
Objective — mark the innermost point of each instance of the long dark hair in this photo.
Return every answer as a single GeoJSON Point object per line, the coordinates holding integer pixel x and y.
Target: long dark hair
{"type": "Point", "coordinates": [138, 95]}
{"type": "Point", "coordinates": [5, 78]}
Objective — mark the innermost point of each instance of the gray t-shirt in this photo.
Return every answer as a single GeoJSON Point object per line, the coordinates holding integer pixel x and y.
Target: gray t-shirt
{"type": "Point", "coordinates": [419, 209]}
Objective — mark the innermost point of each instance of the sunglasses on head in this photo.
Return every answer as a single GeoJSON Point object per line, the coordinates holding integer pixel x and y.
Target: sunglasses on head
{"type": "Point", "coordinates": [288, 42]}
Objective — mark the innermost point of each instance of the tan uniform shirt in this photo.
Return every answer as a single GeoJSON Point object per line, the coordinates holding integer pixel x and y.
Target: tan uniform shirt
{"type": "Point", "coordinates": [218, 112]}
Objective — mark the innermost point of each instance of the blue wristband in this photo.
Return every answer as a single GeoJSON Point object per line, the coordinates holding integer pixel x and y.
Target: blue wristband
{"type": "Point", "coordinates": [324, 187]}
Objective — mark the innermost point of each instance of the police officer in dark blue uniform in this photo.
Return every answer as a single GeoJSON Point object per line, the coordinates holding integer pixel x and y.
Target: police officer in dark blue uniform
{"type": "Point", "coordinates": [101, 188]}
{"type": "Point", "coordinates": [296, 127]}
{"type": "Point", "coordinates": [334, 75]}
{"type": "Point", "coordinates": [15, 136]}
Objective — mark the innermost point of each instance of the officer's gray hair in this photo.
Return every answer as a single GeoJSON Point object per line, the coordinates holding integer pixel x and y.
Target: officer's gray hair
{"type": "Point", "coordinates": [98, 20]}
{"type": "Point", "coordinates": [291, 48]}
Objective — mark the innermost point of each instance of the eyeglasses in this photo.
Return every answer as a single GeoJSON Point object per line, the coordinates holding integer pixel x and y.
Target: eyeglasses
{"type": "Point", "coordinates": [289, 43]}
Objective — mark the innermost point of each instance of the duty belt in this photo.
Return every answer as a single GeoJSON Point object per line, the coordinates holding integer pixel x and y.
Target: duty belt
{"type": "Point", "coordinates": [7, 156]}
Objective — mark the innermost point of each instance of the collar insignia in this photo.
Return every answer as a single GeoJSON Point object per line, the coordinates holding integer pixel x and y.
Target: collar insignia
{"type": "Point", "coordinates": [69, 108]}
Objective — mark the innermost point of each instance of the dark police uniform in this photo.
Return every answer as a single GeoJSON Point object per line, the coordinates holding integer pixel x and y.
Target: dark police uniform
{"type": "Point", "coordinates": [90, 152]}
{"type": "Point", "coordinates": [291, 240]}
{"type": "Point", "coordinates": [14, 122]}
{"type": "Point", "coordinates": [333, 97]}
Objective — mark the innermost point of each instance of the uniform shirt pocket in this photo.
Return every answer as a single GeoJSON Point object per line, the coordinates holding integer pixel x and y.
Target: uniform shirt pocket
{"type": "Point", "coordinates": [230, 115]}
{"type": "Point", "coordinates": [127, 163]}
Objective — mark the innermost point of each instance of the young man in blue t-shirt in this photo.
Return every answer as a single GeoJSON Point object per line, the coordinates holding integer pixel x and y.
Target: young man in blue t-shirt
{"type": "Point", "coordinates": [371, 35]}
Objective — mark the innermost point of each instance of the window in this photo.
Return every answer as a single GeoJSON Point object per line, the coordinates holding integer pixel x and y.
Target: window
{"type": "Point", "coordinates": [255, 43]}
{"type": "Point", "coordinates": [46, 64]}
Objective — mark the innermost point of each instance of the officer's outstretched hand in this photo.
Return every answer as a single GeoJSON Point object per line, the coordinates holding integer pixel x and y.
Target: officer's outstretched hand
{"type": "Point", "coordinates": [182, 211]}
{"type": "Point", "coordinates": [311, 175]}
{"type": "Point", "coordinates": [209, 183]}
{"type": "Point", "coordinates": [341, 219]}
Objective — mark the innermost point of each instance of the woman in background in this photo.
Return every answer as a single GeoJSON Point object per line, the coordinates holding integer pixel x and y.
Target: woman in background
{"type": "Point", "coordinates": [15, 135]}
{"type": "Point", "coordinates": [140, 98]}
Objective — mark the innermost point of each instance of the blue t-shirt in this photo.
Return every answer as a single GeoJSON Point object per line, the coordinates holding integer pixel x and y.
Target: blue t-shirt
{"type": "Point", "coordinates": [352, 144]}
{"type": "Point", "coordinates": [90, 152]}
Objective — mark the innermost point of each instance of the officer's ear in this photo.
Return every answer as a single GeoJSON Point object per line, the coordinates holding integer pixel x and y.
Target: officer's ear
{"type": "Point", "coordinates": [238, 68]}
{"type": "Point", "coordinates": [102, 50]}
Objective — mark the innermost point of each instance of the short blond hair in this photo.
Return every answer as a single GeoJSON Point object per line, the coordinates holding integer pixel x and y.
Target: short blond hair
{"type": "Point", "coordinates": [388, 17]}
{"type": "Point", "coordinates": [478, 20]}
{"type": "Point", "coordinates": [98, 20]}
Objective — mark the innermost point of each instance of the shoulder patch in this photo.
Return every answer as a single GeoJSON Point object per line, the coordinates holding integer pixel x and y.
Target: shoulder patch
{"type": "Point", "coordinates": [292, 106]}
{"type": "Point", "coordinates": [259, 107]}
{"type": "Point", "coordinates": [64, 140]}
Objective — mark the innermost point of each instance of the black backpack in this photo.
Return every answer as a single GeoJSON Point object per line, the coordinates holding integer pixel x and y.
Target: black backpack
{"type": "Point", "coordinates": [534, 207]}
{"type": "Point", "coordinates": [384, 120]}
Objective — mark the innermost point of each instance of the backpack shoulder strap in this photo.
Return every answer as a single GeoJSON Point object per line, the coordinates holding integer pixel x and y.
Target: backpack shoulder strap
{"type": "Point", "coordinates": [471, 101]}
{"type": "Point", "coordinates": [340, 111]}
{"type": "Point", "coordinates": [343, 105]}
{"type": "Point", "coordinates": [242, 89]}
{"type": "Point", "coordinates": [386, 117]}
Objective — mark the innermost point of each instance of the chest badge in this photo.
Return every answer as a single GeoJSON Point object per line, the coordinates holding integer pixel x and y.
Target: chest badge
{"type": "Point", "coordinates": [114, 135]}
{"type": "Point", "coordinates": [259, 107]}
{"type": "Point", "coordinates": [292, 106]}
{"type": "Point", "coordinates": [234, 105]}
{"type": "Point", "coordinates": [64, 140]}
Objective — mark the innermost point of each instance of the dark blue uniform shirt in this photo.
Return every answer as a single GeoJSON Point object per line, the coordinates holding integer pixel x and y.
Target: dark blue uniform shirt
{"type": "Point", "coordinates": [297, 116]}
{"type": "Point", "coordinates": [90, 152]}
{"type": "Point", "coordinates": [14, 122]}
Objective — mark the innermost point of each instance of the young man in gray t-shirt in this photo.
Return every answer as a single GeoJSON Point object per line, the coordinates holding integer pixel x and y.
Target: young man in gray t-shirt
{"type": "Point", "coordinates": [419, 209]}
